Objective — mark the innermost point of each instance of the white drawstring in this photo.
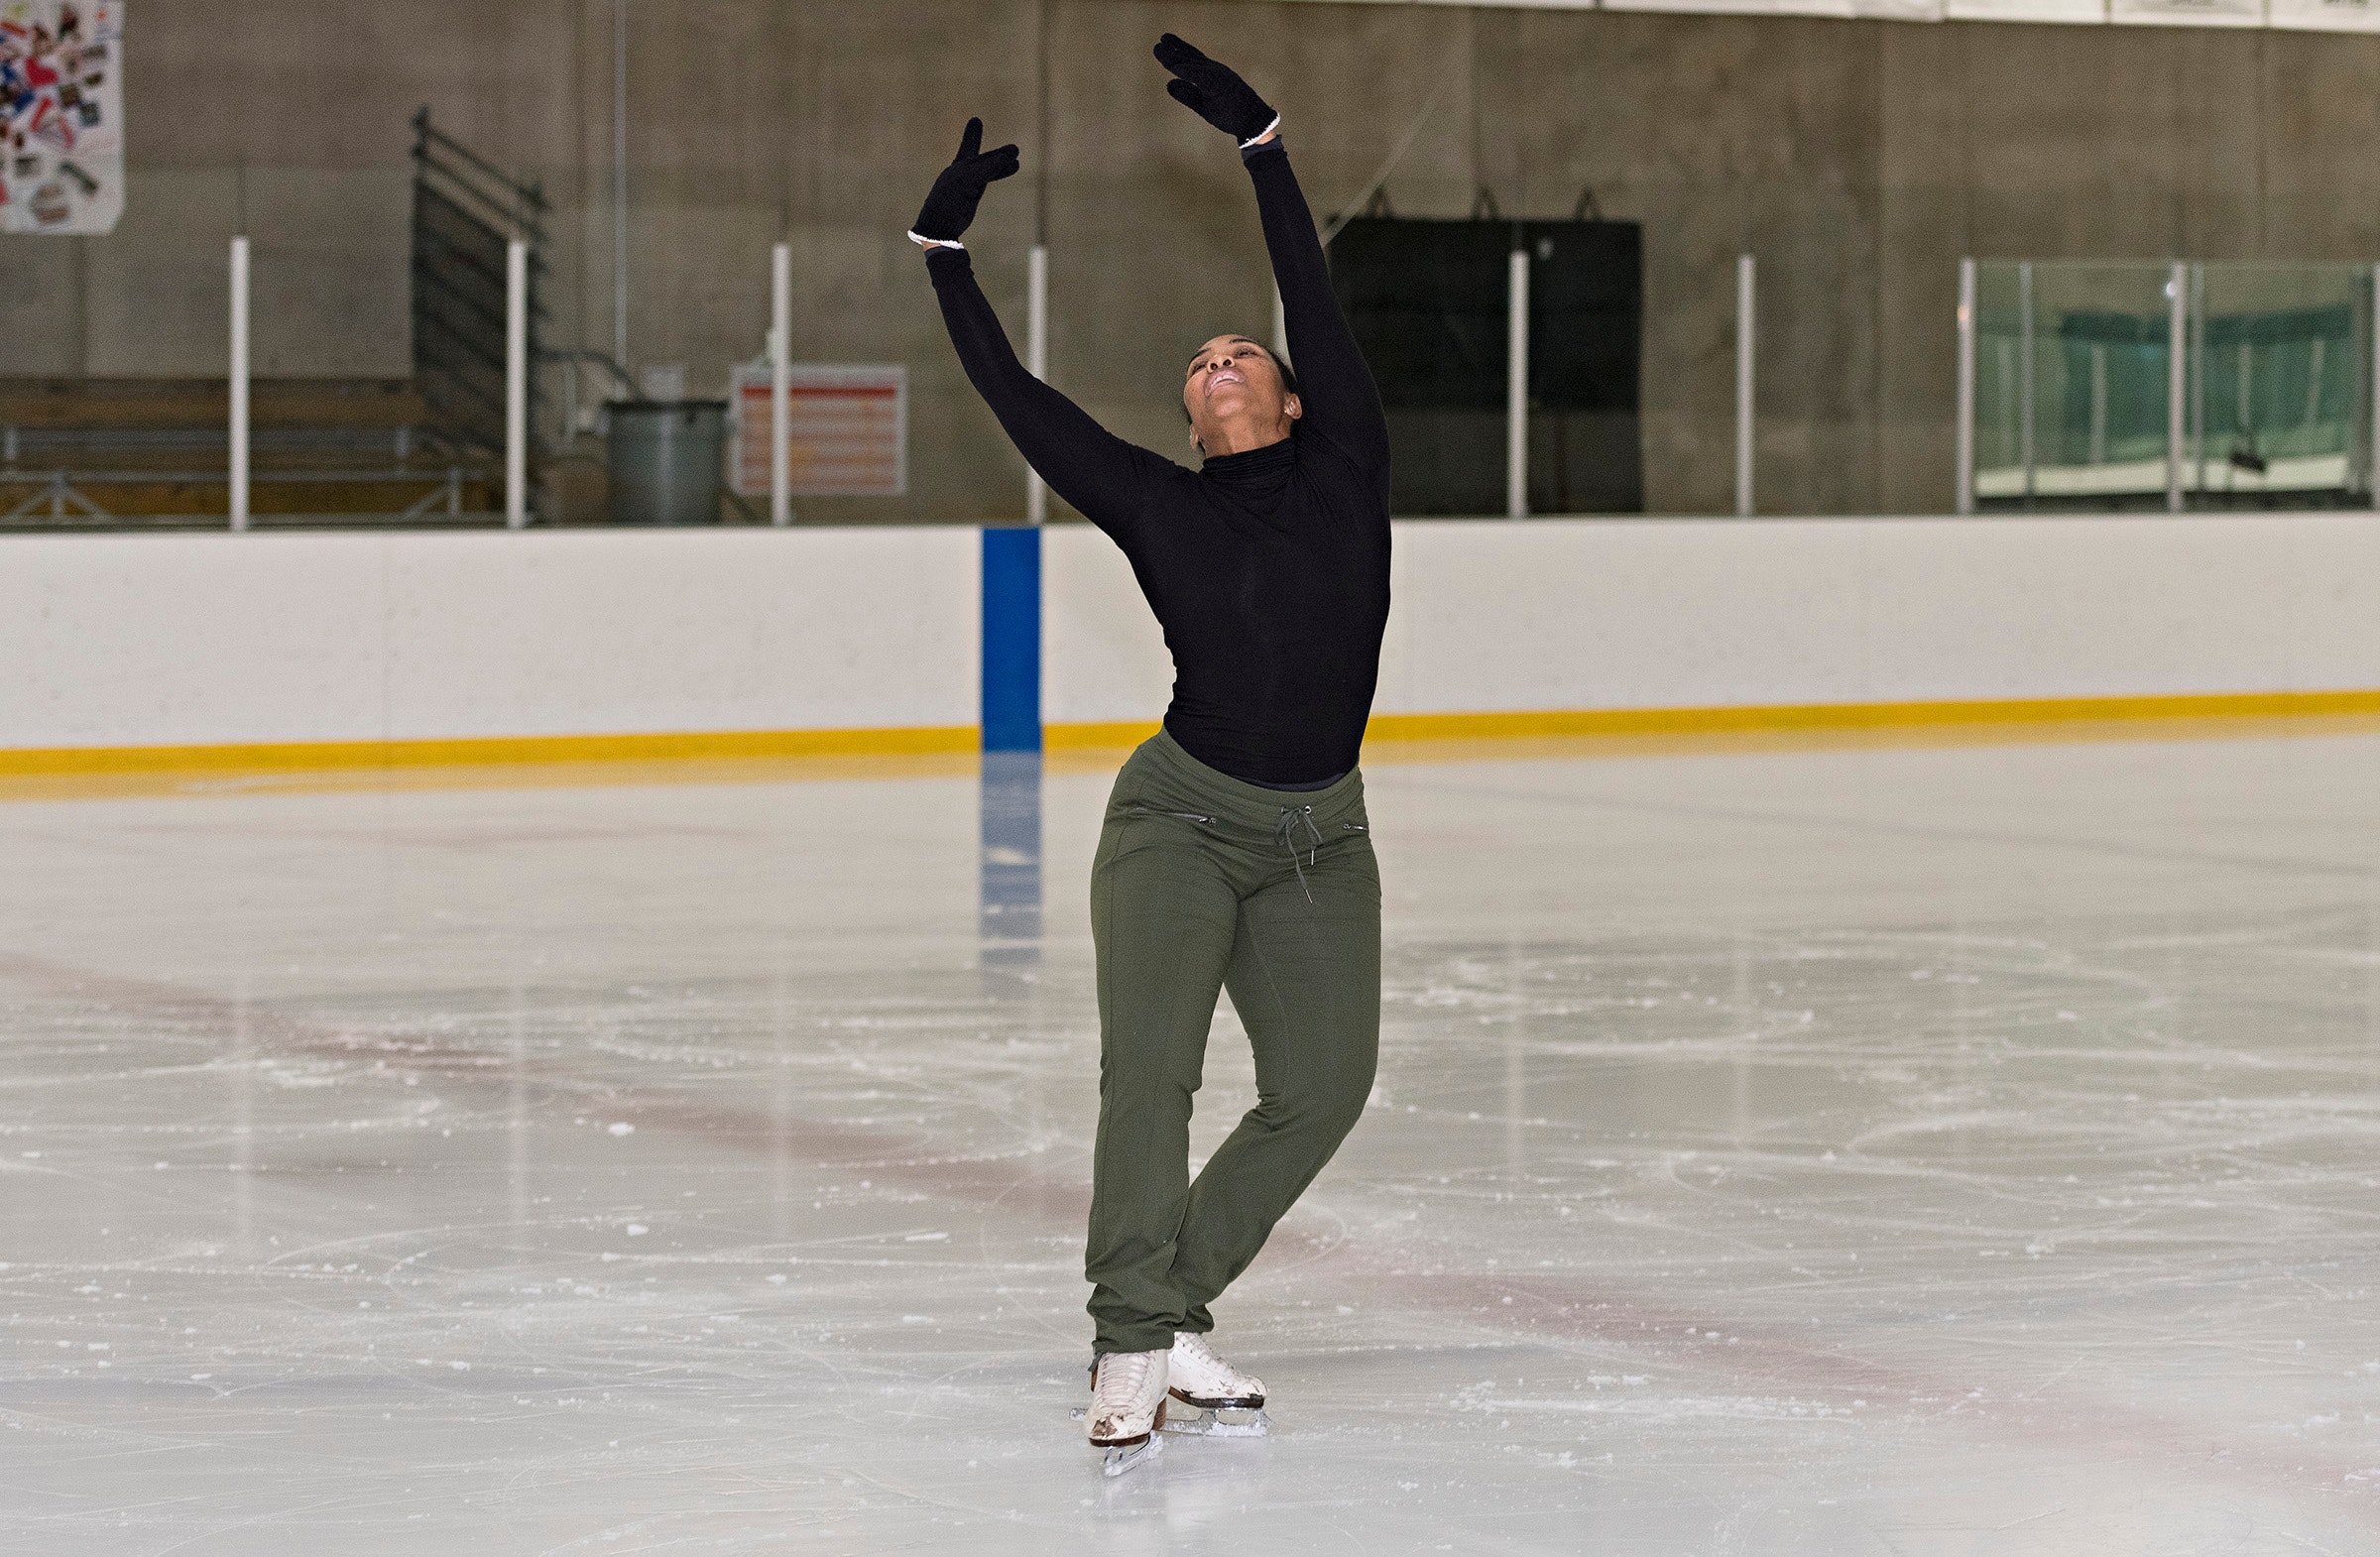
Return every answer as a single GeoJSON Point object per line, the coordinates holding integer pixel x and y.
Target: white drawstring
{"type": "Point", "coordinates": [1285, 831]}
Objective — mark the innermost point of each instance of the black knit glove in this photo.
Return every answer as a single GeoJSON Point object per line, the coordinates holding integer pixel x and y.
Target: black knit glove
{"type": "Point", "coordinates": [950, 204]}
{"type": "Point", "coordinates": [1214, 91]}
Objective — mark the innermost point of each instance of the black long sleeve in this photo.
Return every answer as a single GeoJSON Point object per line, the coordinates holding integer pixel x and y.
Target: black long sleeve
{"type": "Point", "coordinates": [1268, 569]}
{"type": "Point", "coordinates": [1090, 467]}
{"type": "Point", "coordinates": [1342, 402]}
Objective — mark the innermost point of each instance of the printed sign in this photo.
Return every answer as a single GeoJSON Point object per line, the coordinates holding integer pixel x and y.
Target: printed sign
{"type": "Point", "coordinates": [61, 115]}
{"type": "Point", "coordinates": [849, 424]}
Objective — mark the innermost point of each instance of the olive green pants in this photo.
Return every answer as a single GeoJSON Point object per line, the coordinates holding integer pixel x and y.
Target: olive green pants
{"type": "Point", "coordinates": [1203, 883]}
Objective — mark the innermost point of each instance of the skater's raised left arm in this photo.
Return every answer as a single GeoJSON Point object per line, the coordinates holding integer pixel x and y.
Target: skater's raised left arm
{"type": "Point", "coordinates": [1341, 401]}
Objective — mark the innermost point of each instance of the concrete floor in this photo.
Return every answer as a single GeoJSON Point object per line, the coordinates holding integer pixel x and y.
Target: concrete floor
{"type": "Point", "coordinates": [1941, 1151]}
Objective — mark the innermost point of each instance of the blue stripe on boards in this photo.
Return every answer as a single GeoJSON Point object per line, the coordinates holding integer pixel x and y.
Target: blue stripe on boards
{"type": "Point", "coordinates": [1012, 640]}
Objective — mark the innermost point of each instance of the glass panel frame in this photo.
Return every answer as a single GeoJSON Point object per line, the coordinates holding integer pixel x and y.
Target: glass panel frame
{"type": "Point", "coordinates": [2073, 399]}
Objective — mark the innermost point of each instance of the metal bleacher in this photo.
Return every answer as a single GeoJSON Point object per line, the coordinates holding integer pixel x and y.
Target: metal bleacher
{"type": "Point", "coordinates": [155, 452]}
{"type": "Point", "coordinates": [81, 452]}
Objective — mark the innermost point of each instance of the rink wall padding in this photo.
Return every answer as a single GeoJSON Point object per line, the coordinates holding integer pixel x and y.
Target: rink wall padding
{"type": "Point", "coordinates": [131, 651]}
{"type": "Point", "coordinates": [486, 646]}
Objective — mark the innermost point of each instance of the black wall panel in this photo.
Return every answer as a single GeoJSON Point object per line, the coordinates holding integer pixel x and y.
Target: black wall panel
{"type": "Point", "coordinates": [1427, 302]}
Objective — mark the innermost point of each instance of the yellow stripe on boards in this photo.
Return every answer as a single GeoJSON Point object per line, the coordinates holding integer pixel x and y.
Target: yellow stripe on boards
{"type": "Point", "coordinates": [1520, 725]}
{"type": "Point", "coordinates": [1854, 716]}
{"type": "Point", "coordinates": [1533, 724]}
{"type": "Point", "coordinates": [285, 757]}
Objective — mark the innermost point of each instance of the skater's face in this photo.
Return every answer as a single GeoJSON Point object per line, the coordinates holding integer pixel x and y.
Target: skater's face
{"type": "Point", "coordinates": [1236, 397]}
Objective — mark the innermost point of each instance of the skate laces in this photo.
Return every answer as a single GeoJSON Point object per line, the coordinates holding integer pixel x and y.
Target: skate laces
{"type": "Point", "coordinates": [1121, 1378]}
{"type": "Point", "coordinates": [1292, 817]}
{"type": "Point", "coordinates": [1196, 1346]}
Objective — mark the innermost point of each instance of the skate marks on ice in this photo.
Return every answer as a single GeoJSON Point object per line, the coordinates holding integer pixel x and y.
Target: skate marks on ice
{"type": "Point", "coordinates": [2100, 1193]}
{"type": "Point", "coordinates": [1804, 1232]}
{"type": "Point", "coordinates": [1669, 1207]}
{"type": "Point", "coordinates": [1718, 1266]}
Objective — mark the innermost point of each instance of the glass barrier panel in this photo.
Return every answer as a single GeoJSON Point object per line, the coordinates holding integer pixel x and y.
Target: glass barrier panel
{"type": "Point", "coordinates": [2071, 364]}
{"type": "Point", "coordinates": [2280, 383]}
{"type": "Point", "coordinates": [2073, 399]}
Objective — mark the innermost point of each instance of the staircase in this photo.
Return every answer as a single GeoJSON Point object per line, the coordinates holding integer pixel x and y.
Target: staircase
{"type": "Point", "coordinates": [465, 212]}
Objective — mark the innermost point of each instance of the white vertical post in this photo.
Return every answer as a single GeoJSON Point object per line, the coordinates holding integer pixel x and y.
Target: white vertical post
{"type": "Point", "coordinates": [1965, 494]}
{"type": "Point", "coordinates": [620, 182]}
{"type": "Point", "coordinates": [516, 384]}
{"type": "Point", "coordinates": [1037, 362]}
{"type": "Point", "coordinates": [2024, 373]}
{"type": "Point", "coordinates": [2177, 340]}
{"type": "Point", "coordinates": [1745, 347]}
{"type": "Point", "coordinates": [2197, 375]}
{"type": "Point", "coordinates": [2098, 402]}
{"type": "Point", "coordinates": [781, 353]}
{"type": "Point", "coordinates": [1516, 390]}
{"type": "Point", "coordinates": [1280, 325]}
{"type": "Point", "coordinates": [239, 384]}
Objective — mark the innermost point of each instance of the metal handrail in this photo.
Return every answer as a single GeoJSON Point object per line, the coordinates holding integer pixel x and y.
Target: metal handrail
{"type": "Point", "coordinates": [24, 476]}
{"type": "Point", "coordinates": [464, 196]}
{"type": "Point", "coordinates": [601, 359]}
{"type": "Point", "coordinates": [530, 195]}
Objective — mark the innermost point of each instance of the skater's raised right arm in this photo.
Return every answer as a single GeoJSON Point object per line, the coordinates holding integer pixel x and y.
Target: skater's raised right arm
{"type": "Point", "coordinates": [1090, 467]}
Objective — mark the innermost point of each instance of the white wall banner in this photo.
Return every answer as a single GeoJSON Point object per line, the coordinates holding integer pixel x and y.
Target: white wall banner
{"type": "Point", "coordinates": [2187, 13]}
{"type": "Point", "coordinates": [61, 115]}
{"type": "Point", "coordinates": [1899, 10]}
{"type": "Point", "coordinates": [2324, 16]}
{"type": "Point", "coordinates": [1700, 7]}
{"type": "Point", "coordinates": [849, 428]}
{"type": "Point", "coordinates": [2087, 12]}
{"type": "Point", "coordinates": [1841, 10]}
{"type": "Point", "coordinates": [2310, 16]}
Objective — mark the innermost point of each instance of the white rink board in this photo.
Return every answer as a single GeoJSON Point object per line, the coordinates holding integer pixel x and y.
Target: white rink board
{"type": "Point", "coordinates": [194, 640]}
{"type": "Point", "coordinates": [1583, 614]}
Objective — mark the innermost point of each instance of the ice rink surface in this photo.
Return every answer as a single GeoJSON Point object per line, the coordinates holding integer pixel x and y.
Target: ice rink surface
{"type": "Point", "coordinates": [1941, 1151]}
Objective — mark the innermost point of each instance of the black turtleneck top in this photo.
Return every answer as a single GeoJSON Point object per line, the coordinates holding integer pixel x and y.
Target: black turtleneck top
{"type": "Point", "coordinates": [1268, 569]}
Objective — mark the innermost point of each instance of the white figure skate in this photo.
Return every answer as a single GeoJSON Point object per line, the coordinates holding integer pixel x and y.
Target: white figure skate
{"type": "Point", "coordinates": [1216, 1399]}
{"type": "Point", "coordinates": [1128, 1407]}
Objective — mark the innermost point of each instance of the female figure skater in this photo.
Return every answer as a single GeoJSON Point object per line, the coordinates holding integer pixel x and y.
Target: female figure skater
{"type": "Point", "coordinates": [1235, 853]}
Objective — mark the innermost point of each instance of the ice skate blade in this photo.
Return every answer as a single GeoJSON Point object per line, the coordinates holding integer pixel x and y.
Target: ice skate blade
{"type": "Point", "coordinates": [1122, 1457]}
{"type": "Point", "coordinates": [1223, 1421]}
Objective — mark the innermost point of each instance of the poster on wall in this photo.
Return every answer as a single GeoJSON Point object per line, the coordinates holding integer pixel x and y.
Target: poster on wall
{"type": "Point", "coordinates": [61, 115]}
{"type": "Point", "coordinates": [847, 425]}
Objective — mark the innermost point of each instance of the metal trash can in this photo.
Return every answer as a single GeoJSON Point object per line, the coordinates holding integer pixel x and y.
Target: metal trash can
{"type": "Point", "coordinates": [667, 461]}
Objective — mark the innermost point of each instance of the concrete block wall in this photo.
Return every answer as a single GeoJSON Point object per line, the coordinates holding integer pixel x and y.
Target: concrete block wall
{"type": "Point", "coordinates": [1859, 160]}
